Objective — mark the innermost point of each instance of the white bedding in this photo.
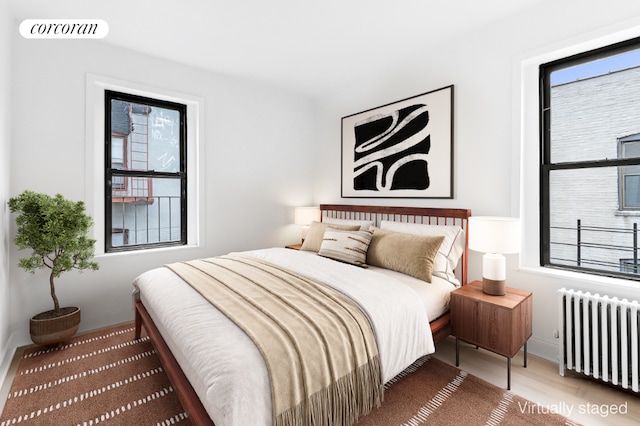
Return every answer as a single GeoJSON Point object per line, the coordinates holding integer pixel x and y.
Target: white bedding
{"type": "Point", "coordinates": [434, 296]}
{"type": "Point", "coordinates": [224, 366]}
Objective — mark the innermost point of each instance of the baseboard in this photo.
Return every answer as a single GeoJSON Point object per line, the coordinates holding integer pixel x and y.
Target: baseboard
{"type": "Point", "coordinates": [543, 349]}
{"type": "Point", "coordinates": [15, 341]}
{"type": "Point", "coordinates": [5, 361]}
{"type": "Point", "coordinates": [94, 322]}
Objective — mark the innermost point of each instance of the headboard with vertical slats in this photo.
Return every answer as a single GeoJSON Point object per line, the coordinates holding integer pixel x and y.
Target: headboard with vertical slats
{"type": "Point", "coordinates": [422, 215]}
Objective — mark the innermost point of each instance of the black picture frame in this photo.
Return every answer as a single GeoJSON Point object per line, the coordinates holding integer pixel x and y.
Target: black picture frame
{"type": "Point", "coordinates": [402, 149]}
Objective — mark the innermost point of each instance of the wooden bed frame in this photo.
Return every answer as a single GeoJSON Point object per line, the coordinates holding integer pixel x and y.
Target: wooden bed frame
{"type": "Point", "coordinates": [439, 327]}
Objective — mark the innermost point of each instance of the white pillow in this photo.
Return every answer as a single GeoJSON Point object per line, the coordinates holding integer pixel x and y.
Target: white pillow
{"type": "Point", "coordinates": [449, 252]}
{"type": "Point", "coordinates": [364, 224]}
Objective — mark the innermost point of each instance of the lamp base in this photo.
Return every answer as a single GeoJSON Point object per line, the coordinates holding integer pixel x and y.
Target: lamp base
{"type": "Point", "coordinates": [493, 287]}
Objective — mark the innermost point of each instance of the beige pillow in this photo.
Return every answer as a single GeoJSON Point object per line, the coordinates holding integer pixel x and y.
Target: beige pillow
{"type": "Point", "coordinates": [313, 240]}
{"type": "Point", "coordinates": [346, 246]}
{"type": "Point", "coordinates": [450, 251]}
{"type": "Point", "coordinates": [410, 254]}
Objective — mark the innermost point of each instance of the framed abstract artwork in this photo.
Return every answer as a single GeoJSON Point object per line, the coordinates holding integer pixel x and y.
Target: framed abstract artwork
{"type": "Point", "coordinates": [400, 150]}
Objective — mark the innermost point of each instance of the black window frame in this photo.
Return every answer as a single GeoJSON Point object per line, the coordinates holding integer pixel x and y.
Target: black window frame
{"type": "Point", "coordinates": [110, 172]}
{"type": "Point", "coordinates": [547, 166]}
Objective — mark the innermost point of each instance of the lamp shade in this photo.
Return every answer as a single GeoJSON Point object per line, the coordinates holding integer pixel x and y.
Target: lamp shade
{"type": "Point", "coordinates": [305, 215]}
{"type": "Point", "coordinates": [491, 234]}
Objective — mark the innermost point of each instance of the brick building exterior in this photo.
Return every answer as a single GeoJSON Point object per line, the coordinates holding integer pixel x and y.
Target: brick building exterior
{"type": "Point", "coordinates": [590, 120]}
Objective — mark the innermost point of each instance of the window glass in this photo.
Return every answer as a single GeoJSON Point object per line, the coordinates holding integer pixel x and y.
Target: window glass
{"type": "Point", "coordinates": [590, 168]}
{"type": "Point", "coordinates": [146, 174]}
{"type": "Point", "coordinates": [630, 175]}
{"type": "Point", "coordinates": [117, 160]}
{"type": "Point", "coordinates": [591, 108]}
{"type": "Point", "coordinates": [584, 230]}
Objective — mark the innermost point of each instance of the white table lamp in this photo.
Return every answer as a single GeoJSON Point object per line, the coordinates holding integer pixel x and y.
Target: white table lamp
{"type": "Point", "coordinates": [495, 236]}
{"type": "Point", "coordinates": [304, 216]}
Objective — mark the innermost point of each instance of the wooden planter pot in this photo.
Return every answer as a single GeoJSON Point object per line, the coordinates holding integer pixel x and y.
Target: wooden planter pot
{"type": "Point", "coordinates": [47, 330]}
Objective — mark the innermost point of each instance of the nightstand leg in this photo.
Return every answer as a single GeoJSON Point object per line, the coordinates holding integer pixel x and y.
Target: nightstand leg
{"type": "Point", "coordinates": [508, 373]}
{"type": "Point", "coordinates": [457, 352]}
{"type": "Point", "coordinates": [525, 354]}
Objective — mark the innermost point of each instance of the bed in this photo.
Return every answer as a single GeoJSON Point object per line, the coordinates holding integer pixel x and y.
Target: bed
{"type": "Point", "coordinates": [201, 348]}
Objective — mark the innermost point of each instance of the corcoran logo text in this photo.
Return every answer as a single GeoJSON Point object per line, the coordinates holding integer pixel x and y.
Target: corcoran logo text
{"type": "Point", "coordinates": [64, 28]}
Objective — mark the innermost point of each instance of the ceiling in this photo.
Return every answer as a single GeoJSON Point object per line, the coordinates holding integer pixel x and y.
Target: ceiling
{"type": "Point", "coordinates": [297, 45]}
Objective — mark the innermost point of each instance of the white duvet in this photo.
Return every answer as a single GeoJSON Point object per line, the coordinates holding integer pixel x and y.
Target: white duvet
{"type": "Point", "coordinates": [224, 366]}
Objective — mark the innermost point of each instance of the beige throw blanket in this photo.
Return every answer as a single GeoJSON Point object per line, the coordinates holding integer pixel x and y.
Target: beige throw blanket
{"type": "Point", "coordinates": [318, 346]}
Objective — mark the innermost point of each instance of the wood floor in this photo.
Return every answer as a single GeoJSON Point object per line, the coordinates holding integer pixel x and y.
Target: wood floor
{"type": "Point", "coordinates": [582, 399]}
{"type": "Point", "coordinates": [539, 382]}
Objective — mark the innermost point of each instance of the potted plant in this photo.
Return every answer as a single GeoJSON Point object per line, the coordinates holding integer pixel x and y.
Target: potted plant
{"type": "Point", "coordinates": [56, 230]}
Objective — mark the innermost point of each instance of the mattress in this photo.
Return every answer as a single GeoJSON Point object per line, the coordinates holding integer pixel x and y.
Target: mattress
{"type": "Point", "coordinates": [226, 369]}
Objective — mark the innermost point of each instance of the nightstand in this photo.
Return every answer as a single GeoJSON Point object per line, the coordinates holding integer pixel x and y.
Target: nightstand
{"type": "Point", "coordinates": [294, 246]}
{"type": "Point", "coordinates": [500, 324]}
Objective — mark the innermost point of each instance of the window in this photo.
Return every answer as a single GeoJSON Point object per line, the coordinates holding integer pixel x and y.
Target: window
{"type": "Point", "coordinates": [145, 173]}
{"type": "Point", "coordinates": [590, 161]}
{"type": "Point", "coordinates": [629, 147]}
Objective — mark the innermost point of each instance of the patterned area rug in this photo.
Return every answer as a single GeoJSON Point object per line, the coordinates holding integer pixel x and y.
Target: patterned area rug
{"type": "Point", "coordinates": [431, 392]}
{"type": "Point", "coordinates": [106, 377]}
{"type": "Point", "coordinates": [99, 377]}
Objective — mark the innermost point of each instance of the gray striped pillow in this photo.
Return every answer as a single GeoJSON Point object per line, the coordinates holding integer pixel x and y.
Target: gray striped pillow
{"type": "Point", "coordinates": [346, 246]}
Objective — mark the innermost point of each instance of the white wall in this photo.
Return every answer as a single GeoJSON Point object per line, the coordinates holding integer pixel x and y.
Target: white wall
{"type": "Point", "coordinates": [5, 136]}
{"type": "Point", "coordinates": [486, 70]}
{"type": "Point", "coordinates": [256, 145]}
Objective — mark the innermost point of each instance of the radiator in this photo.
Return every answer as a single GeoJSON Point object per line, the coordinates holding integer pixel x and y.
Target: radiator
{"type": "Point", "coordinates": [599, 337]}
